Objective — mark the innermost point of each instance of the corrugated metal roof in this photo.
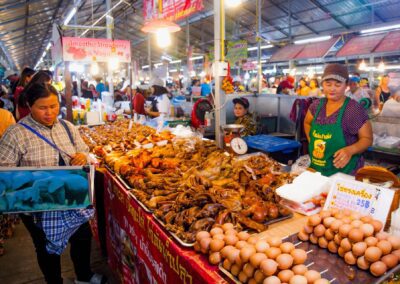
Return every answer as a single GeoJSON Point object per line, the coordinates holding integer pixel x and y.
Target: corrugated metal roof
{"type": "Point", "coordinates": [25, 26]}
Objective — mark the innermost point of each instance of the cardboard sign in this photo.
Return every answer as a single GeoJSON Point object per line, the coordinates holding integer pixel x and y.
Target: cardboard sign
{"type": "Point", "coordinates": [170, 10]}
{"type": "Point", "coordinates": [367, 199]}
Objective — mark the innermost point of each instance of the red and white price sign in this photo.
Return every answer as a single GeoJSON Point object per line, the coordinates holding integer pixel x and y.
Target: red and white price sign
{"type": "Point", "coordinates": [367, 199]}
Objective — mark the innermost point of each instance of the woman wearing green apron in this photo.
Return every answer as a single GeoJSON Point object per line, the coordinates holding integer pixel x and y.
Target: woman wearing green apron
{"type": "Point", "coordinates": [337, 127]}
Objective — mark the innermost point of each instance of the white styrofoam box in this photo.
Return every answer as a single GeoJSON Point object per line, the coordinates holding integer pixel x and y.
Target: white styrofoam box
{"type": "Point", "coordinates": [93, 118]}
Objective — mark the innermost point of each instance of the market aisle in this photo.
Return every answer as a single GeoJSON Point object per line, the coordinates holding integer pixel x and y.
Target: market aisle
{"type": "Point", "coordinates": [18, 265]}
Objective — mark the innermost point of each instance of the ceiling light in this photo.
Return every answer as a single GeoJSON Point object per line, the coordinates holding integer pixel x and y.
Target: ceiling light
{"type": "Point", "coordinates": [48, 46]}
{"type": "Point", "coordinates": [262, 47]}
{"type": "Point", "coordinates": [233, 3]}
{"type": "Point", "coordinates": [315, 39]}
{"type": "Point", "coordinates": [381, 67]}
{"type": "Point", "coordinates": [167, 58]}
{"type": "Point", "coordinates": [373, 30]}
{"type": "Point", "coordinates": [163, 38]}
{"type": "Point", "coordinates": [70, 15]}
{"type": "Point", "coordinates": [145, 66]}
{"type": "Point", "coordinates": [362, 66]}
{"type": "Point", "coordinates": [247, 76]}
{"type": "Point", "coordinates": [196, 58]}
{"type": "Point", "coordinates": [175, 61]}
{"type": "Point", "coordinates": [158, 64]}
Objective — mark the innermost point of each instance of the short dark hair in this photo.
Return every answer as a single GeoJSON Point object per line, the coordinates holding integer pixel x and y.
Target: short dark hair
{"type": "Point", "coordinates": [1, 104]}
{"type": "Point", "coordinates": [39, 91]}
{"type": "Point", "coordinates": [40, 77]}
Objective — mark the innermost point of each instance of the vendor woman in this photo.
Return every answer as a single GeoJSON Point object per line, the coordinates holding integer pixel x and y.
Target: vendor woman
{"type": "Point", "coordinates": [243, 117]}
{"type": "Point", "coordinates": [337, 127]}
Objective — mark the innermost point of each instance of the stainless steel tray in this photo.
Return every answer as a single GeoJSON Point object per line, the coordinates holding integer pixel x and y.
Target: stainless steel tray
{"type": "Point", "coordinates": [180, 241]}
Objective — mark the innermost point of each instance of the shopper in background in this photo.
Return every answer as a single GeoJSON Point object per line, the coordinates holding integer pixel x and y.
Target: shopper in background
{"type": "Point", "coordinates": [286, 86]}
{"type": "Point", "coordinates": [158, 102]}
{"type": "Point", "coordinates": [382, 93]}
{"type": "Point", "coordinates": [243, 117]}
{"type": "Point", "coordinates": [303, 88]}
{"type": "Point", "coordinates": [40, 77]}
{"type": "Point", "coordinates": [23, 145]}
{"type": "Point", "coordinates": [205, 89]}
{"type": "Point", "coordinates": [26, 75]}
{"type": "Point", "coordinates": [315, 91]}
{"type": "Point", "coordinates": [8, 105]}
{"type": "Point", "coordinates": [337, 127]}
{"type": "Point", "coordinates": [6, 119]}
{"type": "Point", "coordinates": [86, 92]}
{"type": "Point", "coordinates": [75, 88]}
{"type": "Point", "coordinates": [92, 88]}
{"type": "Point", "coordinates": [364, 83]}
{"type": "Point", "coordinates": [276, 83]}
{"type": "Point", "coordinates": [137, 101]}
{"type": "Point", "coordinates": [355, 92]}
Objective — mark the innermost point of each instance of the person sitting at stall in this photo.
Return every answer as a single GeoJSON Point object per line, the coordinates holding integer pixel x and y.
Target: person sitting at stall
{"type": "Point", "coordinates": [42, 140]}
{"type": "Point", "coordinates": [159, 101]}
{"type": "Point", "coordinates": [286, 86]}
{"type": "Point", "coordinates": [303, 88]}
{"type": "Point", "coordinates": [243, 117]}
{"type": "Point", "coordinates": [382, 93]}
{"type": "Point", "coordinates": [337, 128]}
{"type": "Point", "coordinates": [355, 92]}
{"type": "Point", "coordinates": [315, 91]}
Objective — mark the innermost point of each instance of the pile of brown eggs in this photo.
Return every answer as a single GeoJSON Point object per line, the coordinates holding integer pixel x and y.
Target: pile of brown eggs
{"type": "Point", "coordinates": [358, 239]}
{"type": "Point", "coordinates": [255, 258]}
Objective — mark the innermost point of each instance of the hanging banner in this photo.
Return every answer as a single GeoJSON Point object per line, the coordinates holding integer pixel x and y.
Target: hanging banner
{"type": "Point", "coordinates": [173, 10]}
{"type": "Point", "coordinates": [84, 49]}
{"type": "Point", "coordinates": [237, 51]}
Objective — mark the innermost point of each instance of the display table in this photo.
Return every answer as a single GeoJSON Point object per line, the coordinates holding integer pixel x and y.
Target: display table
{"type": "Point", "coordinates": [140, 251]}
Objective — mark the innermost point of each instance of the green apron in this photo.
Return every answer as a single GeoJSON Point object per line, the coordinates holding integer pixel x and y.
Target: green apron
{"type": "Point", "coordinates": [325, 140]}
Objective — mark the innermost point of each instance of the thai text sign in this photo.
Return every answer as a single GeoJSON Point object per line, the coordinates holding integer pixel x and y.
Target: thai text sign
{"type": "Point", "coordinates": [99, 49]}
{"type": "Point", "coordinates": [367, 199]}
{"type": "Point", "coordinates": [237, 50]}
{"type": "Point", "coordinates": [172, 10]}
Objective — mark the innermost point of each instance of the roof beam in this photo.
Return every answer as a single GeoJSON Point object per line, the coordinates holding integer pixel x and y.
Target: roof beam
{"type": "Point", "coordinates": [327, 11]}
{"type": "Point", "coordinates": [26, 25]}
{"type": "Point", "coordinates": [369, 7]}
{"type": "Point", "coordinates": [17, 5]}
{"type": "Point", "coordinates": [20, 18]}
{"type": "Point", "coordinates": [293, 16]}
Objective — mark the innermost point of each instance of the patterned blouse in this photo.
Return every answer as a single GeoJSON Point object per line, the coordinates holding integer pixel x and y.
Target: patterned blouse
{"type": "Point", "coordinates": [250, 127]}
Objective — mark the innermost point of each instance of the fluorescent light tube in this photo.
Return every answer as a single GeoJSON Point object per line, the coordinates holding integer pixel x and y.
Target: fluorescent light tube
{"type": "Point", "coordinates": [315, 39]}
{"type": "Point", "coordinates": [196, 58]}
{"type": "Point", "coordinates": [70, 15]}
{"type": "Point", "coordinates": [262, 47]}
{"type": "Point", "coordinates": [373, 30]}
{"type": "Point", "coordinates": [175, 61]}
{"type": "Point", "coordinates": [48, 46]}
{"type": "Point", "coordinates": [145, 66]}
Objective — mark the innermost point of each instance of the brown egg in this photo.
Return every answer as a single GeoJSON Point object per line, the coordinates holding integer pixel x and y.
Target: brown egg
{"type": "Point", "coordinates": [272, 280]}
{"type": "Point", "coordinates": [344, 230]}
{"type": "Point", "coordinates": [252, 240]}
{"type": "Point", "coordinates": [356, 235]}
{"type": "Point", "coordinates": [285, 261]}
{"type": "Point", "coordinates": [256, 259]}
{"type": "Point", "coordinates": [233, 254]}
{"type": "Point", "coordinates": [385, 246]}
{"type": "Point", "coordinates": [322, 281]}
{"type": "Point", "coordinates": [205, 244]}
{"type": "Point", "coordinates": [313, 239]}
{"type": "Point", "coordinates": [299, 269]}
{"type": "Point", "coordinates": [329, 235]}
{"type": "Point", "coordinates": [396, 253]}
{"type": "Point", "coordinates": [308, 229]}
{"type": "Point", "coordinates": [231, 232]}
{"type": "Point", "coordinates": [333, 247]}
{"type": "Point", "coordinates": [216, 245]}
{"type": "Point", "coordinates": [197, 247]}
{"type": "Point", "coordinates": [367, 229]}
{"type": "Point", "coordinates": [324, 214]}
{"type": "Point", "coordinates": [215, 231]}
{"type": "Point", "coordinates": [339, 215]}
{"type": "Point", "coordinates": [366, 219]}
{"type": "Point", "coordinates": [355, 216]}
{"type": "Point", "coordinates": [225, 251]}
{"type": "Point", "coordinates": [241, 244]}
{"type": "Point", "coordinates": [303, 236]}
{"type": "Point", "coordinates": [322, 242]}
{"type": "Point", "coordinates": [201, 235]}
{"type": "Point", "coordinates": [337, 239]}
{"type": "Point", "coordinates": [273, 252]}
{"type": "Point", "coordinates": [252, 281]}
{"type": "Point", "coordinates": [312, 276]}
{"type": "Point", "coordinates": [286, 247]}
{"type": "Point", "coordinates": [218, 237]}
{"type": "Point", "coordinates": [274, 242]}
{"type": "Point", "coordinates": [349, 258]}
{"type": "Point", "coordinates": [395, 241]}
{"type": "Point", "coordinates": [390, 260]}
{"type": "Point", "coordinates": [299, 256]}
{"type": "Point", "coordinates": [345, 244]}
{"type": "Point", "coordinates": [319, 230]}
{"type": "Point", "coordinates": [378, 268]}
{"type": "Point", "coordinates": [215, 258]}
{"type": "Point", "coordinates": [285, 275]}
{"type": "Point", "coordinates": [268, 267]}
{"type": "Point", "coordinates": [243, 236]}
{"type": "Point", "coordinates": [371, 241]}
{"type": "Point", "coordinates": [314, 220]}
{"type": "Point", "coordinates": [362, 263]}
{"type": "Point", "coordinates": [227, 264]}
{"type": "Point", "coordinates": [382, 236]}
{"type": "Point", "coordinates": [377, 225]}
{"type": "Point", "coordinates": [227, 226]}
{"type": "Point", "coordinates": [258, 276]}
{"type": "Point", "coordinates": [235, 269]}
{"type": "Point", "coordinates": [333, 211]}
{"type": "Point", "coordinates": [248, 269]}
{"type": "Point", "coordinates": [346, 220]}
{"type": "Point", "coordinates": [231, 239]}
{"type": "Point", "coordinates": [239, 261]}
{"type": "Point", "coordinates": [359, 248]}
{"type": "Point", "coordinates": [356, 223]}
{"type": "Point", "coordinates": [261, 246]}
{"type": "Point", "coordinates": [298, 279]}
{"type": "Point", "coordinates": [346, 212]}
{"type": "Point", "coordinates": [328, 221]}
{"type": "Point", "coordinates": [336, 225]}
{"type": "Point", "coordinates": [242, 277]}
{"type": "Point", "coordinates": [247, 252]}
{"type": "Point", "coordinates": [341, 252]}
{"type": "Point", "coordinates": [373, 254]}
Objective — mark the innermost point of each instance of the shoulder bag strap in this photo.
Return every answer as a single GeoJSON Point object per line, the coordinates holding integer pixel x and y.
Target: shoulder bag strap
{"type": "Point", "coordinates": [71, 138]}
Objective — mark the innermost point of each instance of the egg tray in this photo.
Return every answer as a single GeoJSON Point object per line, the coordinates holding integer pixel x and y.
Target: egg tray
{"type": "Point", "coordinates": [331, 266]}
